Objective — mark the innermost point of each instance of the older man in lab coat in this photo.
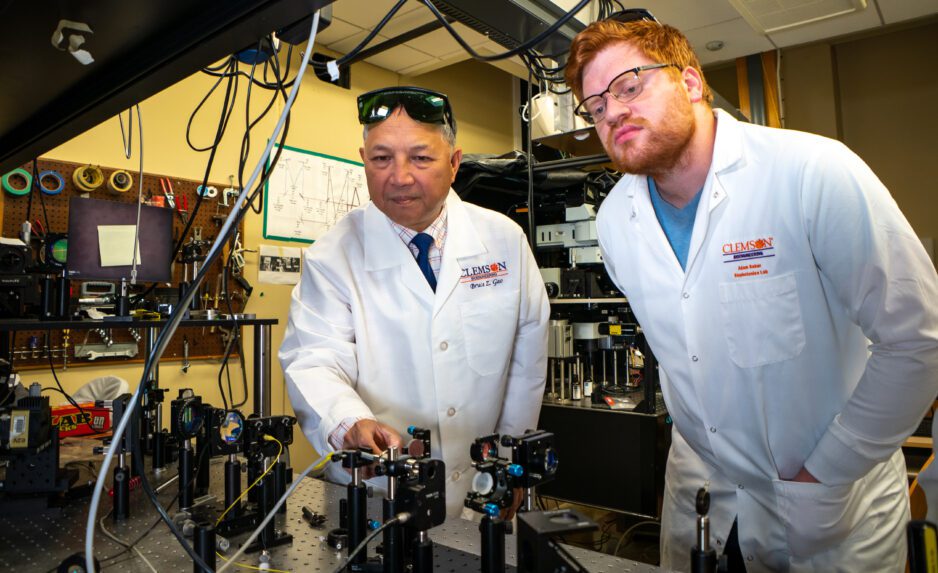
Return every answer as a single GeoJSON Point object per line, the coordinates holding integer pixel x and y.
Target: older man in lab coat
{"type": "Point", "coordinates": [789, 302]}
{"type": "Point", "coordinates": [417, 308]}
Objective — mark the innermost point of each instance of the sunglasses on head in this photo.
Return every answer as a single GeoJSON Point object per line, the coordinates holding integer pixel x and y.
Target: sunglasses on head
{"type": "Point", "coordinates": [422, 105]}
{"type": "Point", "coordinates": [631, 15]}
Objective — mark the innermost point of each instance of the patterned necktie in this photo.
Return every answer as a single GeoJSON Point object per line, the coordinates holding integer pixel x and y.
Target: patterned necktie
{"type": "Point", "coordinates": [423, 241]}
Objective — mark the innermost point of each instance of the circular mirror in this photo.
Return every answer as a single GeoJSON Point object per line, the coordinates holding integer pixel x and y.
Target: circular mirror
{"type": "Point", "coordinates": [190, 419]}
{"type": "Point", "coordinates": [231, 426]}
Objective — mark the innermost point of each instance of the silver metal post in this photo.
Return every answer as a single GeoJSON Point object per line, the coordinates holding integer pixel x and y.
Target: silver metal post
{"type": "Point", "coordinates": [615, 368]}
{"type": "Point", "coordinates": [392, 481]}
{"type": "Point", "coordinates": [261, 369]}
{"type": "Point", "coordinates": [563, 380]}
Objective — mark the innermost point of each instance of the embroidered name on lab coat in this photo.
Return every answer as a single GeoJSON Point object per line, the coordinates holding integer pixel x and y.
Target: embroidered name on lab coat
{"type": "Point", "coordinates": [485, 275]}
{"type": "Point", "coordinates": [748, 258]}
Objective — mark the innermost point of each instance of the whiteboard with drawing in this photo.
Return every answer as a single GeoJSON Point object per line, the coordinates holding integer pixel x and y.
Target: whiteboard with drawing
{"type": "Point", "coordinates": [308, 192]}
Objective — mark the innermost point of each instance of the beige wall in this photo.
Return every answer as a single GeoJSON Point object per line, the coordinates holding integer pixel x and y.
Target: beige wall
{"type": "Point", "coordinates": [888, 88]}
{"type": "Point", "coordinates": [876, 94]}
{"type": "Point", "coordinates": [809, 90]}
{"type": "Point", "coordinates": [323, 120]}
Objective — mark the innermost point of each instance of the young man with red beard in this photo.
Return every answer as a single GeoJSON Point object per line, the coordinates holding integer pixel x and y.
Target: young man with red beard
{"type": "Point", "coordinates": [787, 300]}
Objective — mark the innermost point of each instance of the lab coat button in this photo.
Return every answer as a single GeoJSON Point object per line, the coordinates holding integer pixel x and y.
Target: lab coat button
{"type": "Point", "coordinates": [444, 345]}
{"type": "Point", "coordinates": [451, 412]}
{"type": "Point", "coordinates": [713, 430]}
{"type": "Point", "coordinates": [694, 358]}
{"type": "Point", "coordinates": [740, 486]}
{"type": "Point", "coordinates": [455, 476]}
{"type": "Point", "coordinates": [719, 542]}
{"type": "Point", "coordinates": [686, 295]}
{"type": "Point", "coordinates": [749, 558]}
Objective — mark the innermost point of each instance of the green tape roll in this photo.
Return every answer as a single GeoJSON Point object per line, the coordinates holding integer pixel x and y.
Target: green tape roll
{"type": "Point", "coordinates": [13, 190]}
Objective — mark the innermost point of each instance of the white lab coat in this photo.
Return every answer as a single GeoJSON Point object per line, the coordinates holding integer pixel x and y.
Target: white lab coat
{"type": "Point", "coordinates": [803, 332]}
{"type": "Point", "coordinates": [367, 337]}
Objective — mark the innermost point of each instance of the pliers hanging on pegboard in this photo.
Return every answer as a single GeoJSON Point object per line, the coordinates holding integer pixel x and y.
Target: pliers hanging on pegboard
{"type": "Point", "coordinates": [182, 207]}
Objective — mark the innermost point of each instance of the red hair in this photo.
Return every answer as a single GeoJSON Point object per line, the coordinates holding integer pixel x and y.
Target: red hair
{"type": "Point", "coordinates": [659, 42]}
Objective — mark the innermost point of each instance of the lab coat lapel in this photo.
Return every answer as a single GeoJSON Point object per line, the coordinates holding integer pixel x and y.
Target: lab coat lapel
{"type": "Point", "coordinates": [385, 250]}
{"type": "Point", "coordinates": [642, 215]}
{"type": "Point", "coordinates": [462, 241]}
{"type": "Point", "coordinates": [728, 153]}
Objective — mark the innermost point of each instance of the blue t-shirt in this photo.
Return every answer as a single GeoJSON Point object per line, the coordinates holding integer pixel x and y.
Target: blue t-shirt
{"type": "Point", "coordinates": [678, 224]}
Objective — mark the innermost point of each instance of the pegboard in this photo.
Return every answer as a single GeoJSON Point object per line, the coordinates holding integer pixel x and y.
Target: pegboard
{"type": "Point", "coordinates": [29, 346]}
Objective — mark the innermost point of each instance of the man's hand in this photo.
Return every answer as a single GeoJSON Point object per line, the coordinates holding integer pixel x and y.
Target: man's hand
{"type": "Point", "coordinates": [804, 476]}
{"type": "Point", "coordinates": [372, 435]}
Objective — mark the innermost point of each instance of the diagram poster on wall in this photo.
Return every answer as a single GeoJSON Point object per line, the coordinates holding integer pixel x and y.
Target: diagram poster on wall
{"type": "Point", "coordinates": [308, 192]}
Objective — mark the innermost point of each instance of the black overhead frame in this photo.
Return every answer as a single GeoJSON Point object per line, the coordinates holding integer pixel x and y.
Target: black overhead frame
{"type": "Point", "coordinates": [140, 47]}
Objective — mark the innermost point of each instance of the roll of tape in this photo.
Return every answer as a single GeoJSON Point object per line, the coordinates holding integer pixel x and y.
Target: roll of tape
{"type": "Point", "coordinates": [88, 177]}
{"type": "Point", "coordinates": [12, 187]}
{"type": "Point", "coordinates": [120, 181]}
{"type": "Point", "coordinates": [55, 176]}
{"type": "Point", "coordinates": [210, 192]}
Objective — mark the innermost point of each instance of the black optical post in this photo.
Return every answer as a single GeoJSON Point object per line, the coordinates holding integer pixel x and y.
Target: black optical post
{"type": "Point", "coordinates": [187, 422]}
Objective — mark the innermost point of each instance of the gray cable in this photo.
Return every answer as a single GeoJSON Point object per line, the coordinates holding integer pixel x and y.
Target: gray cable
{"type": "Point", "coordinates": [176, 317]}
{"type": "Point", "coordinates": [399, 518]}
{"type": "Point", "coordinates": [133, 270]}
{"type": "Point", "coordinates": [119, 541]}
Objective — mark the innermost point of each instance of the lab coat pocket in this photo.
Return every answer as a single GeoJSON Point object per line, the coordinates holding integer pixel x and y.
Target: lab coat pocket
{"type": "Point", "coordinates": [489, 328]}
{"type": "Point", "coordinates": [762, 320]}
{"type": "Point", "coordinates": [816, 517]}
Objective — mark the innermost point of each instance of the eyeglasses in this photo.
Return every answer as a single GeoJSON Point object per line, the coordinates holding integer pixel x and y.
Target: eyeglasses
{"type": "Point", "coordinates": [422, 105]}
{"type": "Point", "coordinates": [631, 15]}
{"type": "Point", "coordinates": [625, 87]}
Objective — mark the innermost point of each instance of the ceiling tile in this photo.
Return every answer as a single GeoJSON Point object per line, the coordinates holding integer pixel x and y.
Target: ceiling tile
{"type": "Point", "coordinates": [901, 10]}
{"type": "Point", "coordinates": [346, 45]}
{"type": "Point", "coordinates": [737, 35]}
{"type": "Point", "coordinates": [685, 15]}
{"type": "Point", "coordinates": [338, 30]}
{"type": "Point", "coordinates": [438, 42]}
{"type": "Point", "coordinates": [399, 58]}
{"type": "Point", "coordinates": [425, 67]}
{"type": "Point", "coordinates": [401, 23]}
{"type": "Point", "coordinates": [367, 13]}
{"type": "Point", "coordinates": [831, 28]}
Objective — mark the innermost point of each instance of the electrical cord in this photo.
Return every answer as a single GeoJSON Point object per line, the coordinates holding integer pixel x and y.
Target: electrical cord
{"type": "Point", "coordinates": [315, 466]}
{"type": "Point", "coordinates": [259, 478]}
{"type": "Point", "coordinates": [615, 552]}
{"type": "Point", "coordinates": [229, 226]}
{"type": "Point", "coordinates": [84, 416]}
{"type": "Point", "coordinates": [42, 201]}
{"type": "Point", "coordinates": [252, 567]}
{"type": "Point", "coordinates": [402, 517]}
{"type": "Point", "coordinates": [374, 32]}
{"type": "Point", "coordinates": [514, 51]}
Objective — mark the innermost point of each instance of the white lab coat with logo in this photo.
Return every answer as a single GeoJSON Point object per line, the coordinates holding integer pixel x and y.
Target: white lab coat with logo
{"type": "Point", "coordinates": [367, 337]}
{"type": "Point", "coordinates": [803, 332]}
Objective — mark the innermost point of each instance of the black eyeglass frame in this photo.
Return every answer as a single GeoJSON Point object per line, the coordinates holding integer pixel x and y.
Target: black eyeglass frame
{"type": "Point", "coordinates": [583, 112]}
{"type": "Point", "coordinates": [416, 102]}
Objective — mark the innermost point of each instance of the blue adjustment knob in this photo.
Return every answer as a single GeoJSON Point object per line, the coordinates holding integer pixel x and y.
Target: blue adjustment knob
{"type": "Point", "coordinates": [372, 524]}
{"type": "Point", "coordinates": [410, 430]}
{"type": "Point", "coordinates": [491, 509]}
{"type": "Point", "coordinates": [515, 470]}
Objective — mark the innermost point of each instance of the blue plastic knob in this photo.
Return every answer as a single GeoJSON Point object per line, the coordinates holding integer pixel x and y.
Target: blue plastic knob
{"type": "Point", "coordinates": [491, 510]}
{"type": "Point", "coordinates": [410, 430]}
{"type": "Point", "coordinates": [515, 470]}
{"type": "Point", "coordinates": [372, 524]}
